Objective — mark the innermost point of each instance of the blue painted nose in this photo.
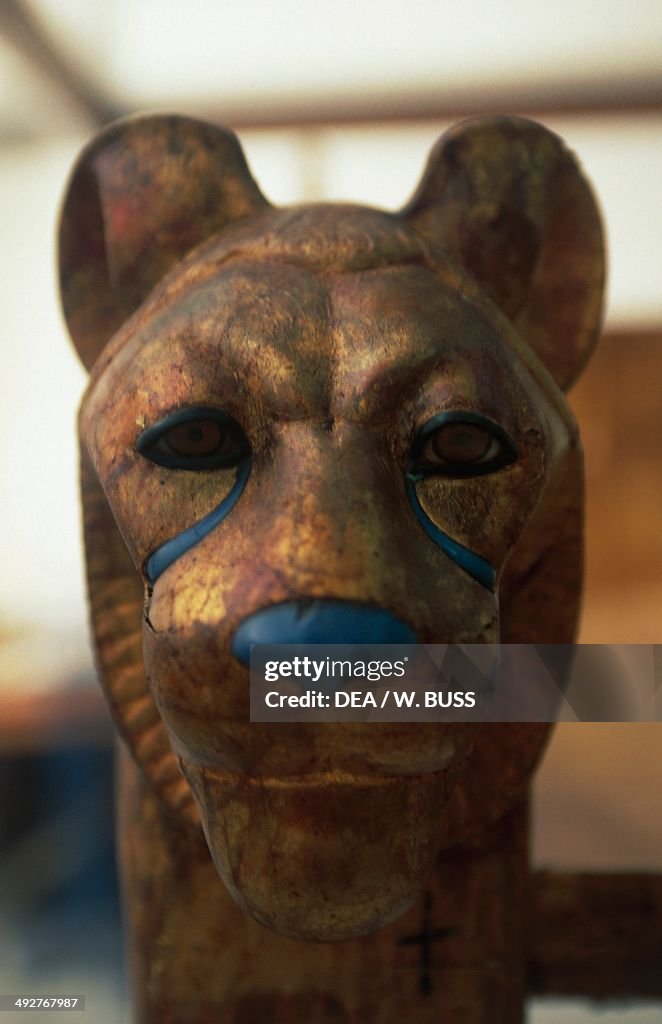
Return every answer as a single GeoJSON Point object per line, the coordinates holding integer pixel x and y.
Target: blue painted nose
{"type": "Point", "coordinates": [319, 622]}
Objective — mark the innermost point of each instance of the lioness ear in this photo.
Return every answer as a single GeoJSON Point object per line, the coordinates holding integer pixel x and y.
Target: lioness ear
{"type": "Point", "coordinates": [142, 194]}
{"type": "Point", "coordinates": [509, 203]}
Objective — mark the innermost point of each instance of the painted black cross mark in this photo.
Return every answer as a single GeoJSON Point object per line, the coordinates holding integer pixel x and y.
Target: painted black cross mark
{"type": "Point", "coordinates": [424, 939]}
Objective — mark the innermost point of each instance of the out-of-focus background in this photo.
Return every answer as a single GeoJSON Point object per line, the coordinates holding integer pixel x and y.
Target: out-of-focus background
{"type": "Point", "coordinates": [332, 101]}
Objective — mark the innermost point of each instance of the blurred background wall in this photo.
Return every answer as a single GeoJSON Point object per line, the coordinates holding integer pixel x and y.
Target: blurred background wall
{"type": "Point", "coordinates": [332, 101]}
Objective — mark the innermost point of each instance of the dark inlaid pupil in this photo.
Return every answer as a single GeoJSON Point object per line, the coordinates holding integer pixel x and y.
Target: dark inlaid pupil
{"type": "Point", "coordinates": [461, 442]}
{"type": "Point", "coordinates": [201, 437]}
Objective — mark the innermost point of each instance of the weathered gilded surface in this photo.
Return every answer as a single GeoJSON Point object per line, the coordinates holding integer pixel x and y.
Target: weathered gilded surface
{"type": "Point", "coordinates": [325, 391]}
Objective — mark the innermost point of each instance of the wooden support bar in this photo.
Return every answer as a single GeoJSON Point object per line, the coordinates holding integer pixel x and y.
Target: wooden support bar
{"type": "Point", "coordinates": [596, 935]}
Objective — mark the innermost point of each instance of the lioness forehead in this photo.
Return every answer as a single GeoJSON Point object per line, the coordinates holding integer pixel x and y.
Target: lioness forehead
{"type": "Point", "coordinates": [319, 342]}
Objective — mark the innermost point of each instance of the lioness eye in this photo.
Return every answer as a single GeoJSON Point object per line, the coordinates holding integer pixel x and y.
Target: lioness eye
{"type": "Point", "coordinates": [199, 437]}
{"type": "Point", "coordinates": [461, 444]}
{"type": "Point", "coordinates": [195, 438]}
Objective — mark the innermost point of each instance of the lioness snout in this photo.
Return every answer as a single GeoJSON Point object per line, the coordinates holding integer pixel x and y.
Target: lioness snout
{"type": "Point", "coordinates": [320, 621]}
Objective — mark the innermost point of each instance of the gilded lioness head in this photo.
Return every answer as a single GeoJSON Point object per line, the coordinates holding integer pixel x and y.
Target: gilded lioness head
{"type": "Point", "coordinates": [315, 420]}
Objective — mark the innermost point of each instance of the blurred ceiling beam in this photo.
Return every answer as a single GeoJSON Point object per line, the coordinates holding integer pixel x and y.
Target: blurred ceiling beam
{"type": "Point", "coordinates": [20, 28]}
{"type": "Point", "coordinates": [634, 95]}
{"type": "Point", "coordinates": [638, 95]}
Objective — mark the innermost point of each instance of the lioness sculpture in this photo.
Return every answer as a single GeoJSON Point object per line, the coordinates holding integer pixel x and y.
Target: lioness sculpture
{"type": "Point", "coordinates": [300, 422]}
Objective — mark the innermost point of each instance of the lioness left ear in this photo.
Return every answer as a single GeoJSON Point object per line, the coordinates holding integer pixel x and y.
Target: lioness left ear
{"type": "Point", "coordinates": [508, 202]}
{"type": "Point", "coordinates": [145, 192]}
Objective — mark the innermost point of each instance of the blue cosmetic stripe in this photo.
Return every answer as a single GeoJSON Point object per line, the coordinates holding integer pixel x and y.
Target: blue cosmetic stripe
{"type": "Point", "coordinates": [169, 552]}
{"type": "Point", "coordinates": [472, 563]}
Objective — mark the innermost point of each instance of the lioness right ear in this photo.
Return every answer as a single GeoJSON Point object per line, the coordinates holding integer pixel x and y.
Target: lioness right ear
{"type": "Point", "coordinates": [142, 194]}
{"type": "Point", "coordinates": [505, 199]}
